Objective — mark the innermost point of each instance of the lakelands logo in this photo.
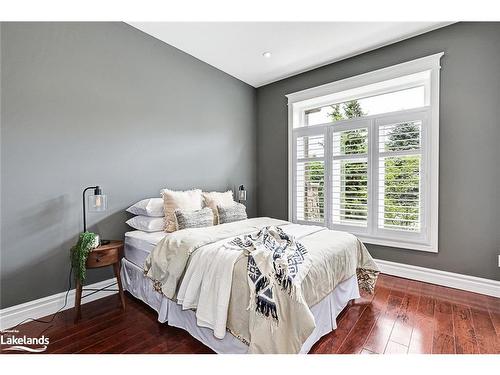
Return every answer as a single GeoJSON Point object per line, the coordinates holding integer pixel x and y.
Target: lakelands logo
{"type": "Point", "coordinates": [23, 343]}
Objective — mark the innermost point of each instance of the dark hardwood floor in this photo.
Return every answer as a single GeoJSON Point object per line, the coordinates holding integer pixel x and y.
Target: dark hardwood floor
{"type": "Point", "coordinates": [403, 316]}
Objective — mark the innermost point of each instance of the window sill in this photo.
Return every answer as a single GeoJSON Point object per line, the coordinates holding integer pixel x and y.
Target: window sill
{"type": "Point", "coordinates": [400, 244]}
{"type": "Point", "coordinates": [430, 248]}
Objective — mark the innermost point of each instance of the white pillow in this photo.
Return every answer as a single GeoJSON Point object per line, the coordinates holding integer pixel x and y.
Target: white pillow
{"type": "Point", "coordinates": [147, 223]}
{"type": "Point", "coordinates": [184, 200]}
{"type": "Point", "coordinates": [148, 207]}
{"type": "Point", "coordinates": [214, 199]}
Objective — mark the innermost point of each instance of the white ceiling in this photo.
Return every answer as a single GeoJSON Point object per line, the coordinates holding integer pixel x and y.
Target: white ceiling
{"type": "Point", "coordinates": [237, 47]}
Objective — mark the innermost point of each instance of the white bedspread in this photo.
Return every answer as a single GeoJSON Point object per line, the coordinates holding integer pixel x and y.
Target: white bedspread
{"type": "Point", "coordinates": [336, 256]}
{"type": "Point", "coordinates": [206, 285]}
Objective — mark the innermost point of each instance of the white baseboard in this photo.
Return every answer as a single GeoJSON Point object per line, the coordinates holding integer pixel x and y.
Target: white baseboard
{"type": "Point", "coordinates": [449, 279]}
{"type": "Point", "coordinates": [39, 308]}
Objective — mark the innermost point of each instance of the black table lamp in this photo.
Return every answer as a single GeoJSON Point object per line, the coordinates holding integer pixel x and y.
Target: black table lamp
{"type": "Point", "coordinates": [97, 202]}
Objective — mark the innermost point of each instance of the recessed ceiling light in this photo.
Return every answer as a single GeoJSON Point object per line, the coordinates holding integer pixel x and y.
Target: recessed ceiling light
{"type": "Point", "coordinates": [267, 54]}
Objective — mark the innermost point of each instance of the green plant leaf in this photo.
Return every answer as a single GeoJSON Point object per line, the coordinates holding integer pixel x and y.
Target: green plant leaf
{"type": "Point", "coordinates": [80, 253]}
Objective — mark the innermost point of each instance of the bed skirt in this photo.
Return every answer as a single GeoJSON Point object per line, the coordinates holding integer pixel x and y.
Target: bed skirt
{"type": "Point", "coordinates": [141, 287]}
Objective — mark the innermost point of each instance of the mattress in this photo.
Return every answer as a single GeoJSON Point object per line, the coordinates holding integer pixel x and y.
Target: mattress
{"type": "Point", "coordinates": [139, 244]}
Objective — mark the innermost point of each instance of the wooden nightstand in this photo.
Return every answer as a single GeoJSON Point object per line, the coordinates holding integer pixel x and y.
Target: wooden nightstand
{"type": "Point", "coordinates": [102, 256]}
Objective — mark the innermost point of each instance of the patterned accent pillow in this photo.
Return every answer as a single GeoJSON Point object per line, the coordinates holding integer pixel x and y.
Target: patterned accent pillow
{"type": "Point", "coordinates": [235, 212]}
{"type": "Point", "coordinates": [194, 219]}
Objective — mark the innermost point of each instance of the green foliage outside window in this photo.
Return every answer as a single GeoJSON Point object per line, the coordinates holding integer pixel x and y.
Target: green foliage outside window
{"type": "Point", "coordinates": [355, 141]}
{"type": "Point", "coordinates": [315, 177]}
{"type": "Point", "coordinates": [402, 174]}
{"type": "Point", "coordinates": [402, 178]}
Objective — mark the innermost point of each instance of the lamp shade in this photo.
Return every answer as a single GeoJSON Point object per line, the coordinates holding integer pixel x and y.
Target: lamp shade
{"type": "Point", "coordinates": [242, 194]}
{"type": "Point", "coordinates": [97, 203]}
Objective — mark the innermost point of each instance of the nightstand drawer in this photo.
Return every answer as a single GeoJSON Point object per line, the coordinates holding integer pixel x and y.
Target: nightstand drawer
{"type": "Point", "coordinates": [101, 258]}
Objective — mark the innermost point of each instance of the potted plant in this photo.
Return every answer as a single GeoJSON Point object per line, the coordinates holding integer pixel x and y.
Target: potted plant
{"type": "Point", "coordinates": [80, 252]}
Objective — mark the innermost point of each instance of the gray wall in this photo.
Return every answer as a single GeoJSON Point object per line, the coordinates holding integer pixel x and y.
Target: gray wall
{"type": "Point", "coordinates": [469, 206]}
{"type": "Point", "coordinates": [103, 103]}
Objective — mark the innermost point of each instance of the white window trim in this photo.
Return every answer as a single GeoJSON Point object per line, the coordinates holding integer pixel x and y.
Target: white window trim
{"type": "Point", "coordinates": [429, 63]}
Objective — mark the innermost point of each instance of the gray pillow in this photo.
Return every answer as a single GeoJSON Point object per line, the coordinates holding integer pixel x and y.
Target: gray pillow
{"type": "Point", "coordinates": [194, 219]}
{"type": "Point", "coordinates": [235, 212]}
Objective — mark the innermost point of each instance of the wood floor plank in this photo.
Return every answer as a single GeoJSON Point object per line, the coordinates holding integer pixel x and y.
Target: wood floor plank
{"type": "Point", "coordinates": [77, 343]}
{"type": "Point", "coordinates": [443, 314]}
{"type": "Point", "coordinates": [160, 348]}
{"type": "Point", "coordinates": [379, 336]}
{"type": "Point", "coordinates": [143, 345]}
{"type": "Point", "coordinates": [356, 339]}
{"type": "Point", "coordinates": [399, 288]}
{"type": "Point", "coordinates": [487, 339]}
{"type": "Point", "coordinates": [323, 345]}
{"type": "Point", "coordinates": [406, 318]}
{"type": "Point", "coordinates": [347, 322]}
{"type": "Point", "coordinates": [457, 296]}
{"type": "Point", "coordinates": [465, 336]}
{"type": "Point", "coordinates": [381, 297]}
{"type": "Point", "coordinates": [120, 346]}
{"type": "Point", "coordinates": [76, 339]}
{"type": "Point", "coordinates": [187, 346]}
{"type": "Point", "coordinates": [426, 301]}
{"type": "Point", "coordinates": [495, 318]}
{"type": "Point", "coordinates": [63, 322]}
{"type": "Point", "coordinates": [395, 348]}
{"type": "Point", "coordinates": [92, 323]}
{"type": "Point", "coordinates": [344, 326]}
{"type": "Point", "coordinates": [422, 336]}
{"type": "Point", "coordinates": [493, 304]}
{"type": "Point", "coordinates": [443, 343]}
{"type": "Point", "coordinates": [102, 344]}
{"type": "Point", "coordinates": [444, 337]}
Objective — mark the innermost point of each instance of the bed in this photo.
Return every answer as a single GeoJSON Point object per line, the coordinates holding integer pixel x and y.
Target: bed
{"type": "Point", "coordinates": [340, 265]}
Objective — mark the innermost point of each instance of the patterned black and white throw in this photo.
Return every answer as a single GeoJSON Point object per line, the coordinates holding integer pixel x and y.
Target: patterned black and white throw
{"type": "Point", "coordinates": [275, 258]}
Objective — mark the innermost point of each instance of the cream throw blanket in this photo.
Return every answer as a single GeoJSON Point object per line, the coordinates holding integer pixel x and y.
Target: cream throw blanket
{"type": "Point", "coordinates": [206, 285]}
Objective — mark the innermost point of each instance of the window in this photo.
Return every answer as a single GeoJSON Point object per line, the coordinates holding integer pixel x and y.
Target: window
{"type": "Point", "coordinates": [310, 178]}
{"type": "Point", "coordinates": [363, 155]}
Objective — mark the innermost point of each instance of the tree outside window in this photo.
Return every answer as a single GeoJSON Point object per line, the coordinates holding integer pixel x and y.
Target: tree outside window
{"type": "Point", "coordinates": [401, 179]}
